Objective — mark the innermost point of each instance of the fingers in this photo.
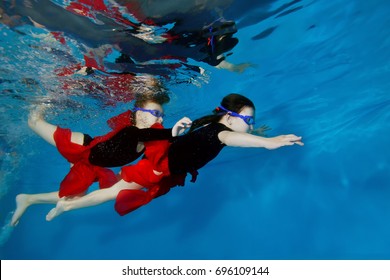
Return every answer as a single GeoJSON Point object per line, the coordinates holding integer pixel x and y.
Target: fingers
{"type": "Point", "coordinates": [181, 126]}
{"type": "Point", "coordinates": [185, 122]}
{"type": "Point", "coordinates": [265, 127]}
{"type": "Point", "coordinates": [293, 139]}
{"type": "Point", "coordinates": [300, 143]}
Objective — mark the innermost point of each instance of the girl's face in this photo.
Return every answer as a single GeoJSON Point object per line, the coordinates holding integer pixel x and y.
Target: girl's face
{"type": "Point", "coordinates": [145, 119]}
{"type": "Point", "coordinates": [238, 124]}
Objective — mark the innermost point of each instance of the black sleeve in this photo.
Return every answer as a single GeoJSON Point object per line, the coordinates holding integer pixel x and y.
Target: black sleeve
{"type": "Point", "coordinates": [150, 134]}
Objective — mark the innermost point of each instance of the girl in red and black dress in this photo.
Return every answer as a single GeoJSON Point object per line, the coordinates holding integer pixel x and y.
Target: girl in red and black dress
{"type": "Point", "coordinates": [89, 157]}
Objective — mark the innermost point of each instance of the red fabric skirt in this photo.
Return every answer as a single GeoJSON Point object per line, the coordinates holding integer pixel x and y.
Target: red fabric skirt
{"type": "Point", "coordinates": [82, 174]}
{"type": "Point", "coordinates": [130, 200]}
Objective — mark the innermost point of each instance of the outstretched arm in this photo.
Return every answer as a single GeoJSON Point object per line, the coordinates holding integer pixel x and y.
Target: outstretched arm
{"type": "Point", "coordinates": [238, 139]}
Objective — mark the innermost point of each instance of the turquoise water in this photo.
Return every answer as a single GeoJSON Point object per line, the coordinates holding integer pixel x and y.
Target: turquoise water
{"type": "Point", "coordinates": [320, 71]}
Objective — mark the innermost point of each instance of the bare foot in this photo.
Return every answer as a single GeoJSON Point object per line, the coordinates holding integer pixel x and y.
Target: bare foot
{"type": "Point", "coordinates": [36, 115]}
{"type": "Point", "coordinates": [58, 210]}
{"type": "Point", "coordinates": [22, 203]}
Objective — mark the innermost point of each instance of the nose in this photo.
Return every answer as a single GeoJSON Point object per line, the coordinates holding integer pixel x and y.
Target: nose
{"type": "Point", "coordinates": [160, 120]}
{"type": "Point", "coordinates": [251, 127]}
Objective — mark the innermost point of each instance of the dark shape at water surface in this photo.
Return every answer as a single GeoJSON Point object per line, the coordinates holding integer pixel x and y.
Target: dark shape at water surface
{"type": "Point", "coordinates": [289, 12]}
{"type": "Point", "coordinates": [264, 34]}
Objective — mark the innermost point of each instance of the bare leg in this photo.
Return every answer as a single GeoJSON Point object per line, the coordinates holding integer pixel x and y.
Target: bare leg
{"type": "Point", "coordinates": [46, 130]}
{"type": "Point", "coordinates": [23, 201]}
{"type": "Point", "coordinates": [94, 198]}
{"type": "Point", "coordinates": [40, 126]}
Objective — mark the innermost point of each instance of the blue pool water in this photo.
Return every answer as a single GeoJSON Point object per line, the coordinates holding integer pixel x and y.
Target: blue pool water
{"type": "Point", "coordinates": [320, 69]}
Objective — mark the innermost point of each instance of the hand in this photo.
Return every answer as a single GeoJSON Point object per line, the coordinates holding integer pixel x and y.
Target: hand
{"type": "Point", "coordinates": [285, 140]}
{"type": "Point", "coordinates": [181, 126]}
{"type": "Point", "coordinates": [260, 131]}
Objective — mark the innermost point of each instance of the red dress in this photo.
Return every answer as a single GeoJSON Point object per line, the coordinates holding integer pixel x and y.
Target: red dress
{"type": "Point", "coordinates": [156, 158]}
{"type": "Point", "coordinates": [83, 174]}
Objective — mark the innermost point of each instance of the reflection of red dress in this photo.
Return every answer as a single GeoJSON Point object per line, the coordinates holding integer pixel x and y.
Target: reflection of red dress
{"type": "Point", "coordinates": [156, 158]}
{"type": "Point", "coordinates": [82, 174]}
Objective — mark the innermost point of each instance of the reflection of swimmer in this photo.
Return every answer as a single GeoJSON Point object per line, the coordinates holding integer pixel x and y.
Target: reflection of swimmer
{"type": "Point", "coordinates": [228, 126]}
{"type": "Point", "coordinates": [219, 42]}
{"type": "Point", "coordinates": [89, 157]}
{"type": "Point", "coordinates": [116, 87]}
{"type": "Point", "coordinates": [209, 43]}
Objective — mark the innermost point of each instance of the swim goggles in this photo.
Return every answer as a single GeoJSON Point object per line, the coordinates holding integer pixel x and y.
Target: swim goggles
{"type": "Point", "coordinates": [155, 113]}
{"type": "Point", "coordinates": [249, 120]}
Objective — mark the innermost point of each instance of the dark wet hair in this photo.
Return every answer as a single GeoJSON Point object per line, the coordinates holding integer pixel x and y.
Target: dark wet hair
{"type": "Point", "coordinates": [233, 102]}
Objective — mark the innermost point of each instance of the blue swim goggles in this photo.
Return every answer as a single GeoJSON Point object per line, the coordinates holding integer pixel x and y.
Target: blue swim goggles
{"type": "Point", "coordinates": [249, 120]}
{"type": "Point", "coordinates": [155, 113]}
